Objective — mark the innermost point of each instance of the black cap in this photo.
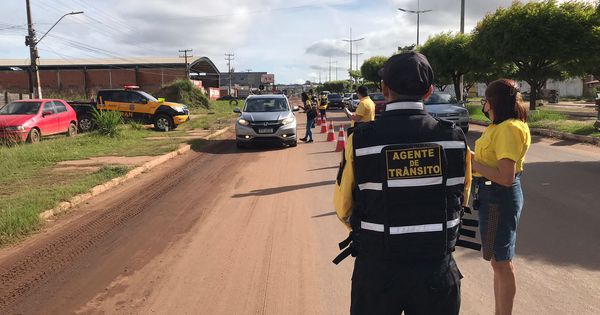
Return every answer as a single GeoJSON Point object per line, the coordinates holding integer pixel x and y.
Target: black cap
{"type": "Point", "coordinates": [407, 74]}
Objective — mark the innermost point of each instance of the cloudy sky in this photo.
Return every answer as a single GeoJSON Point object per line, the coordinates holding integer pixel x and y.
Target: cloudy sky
{"type": "Point", "coordinates": [294, 39]}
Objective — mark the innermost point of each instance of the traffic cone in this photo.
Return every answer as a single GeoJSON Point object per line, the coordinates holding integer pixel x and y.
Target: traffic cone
{"type": "Point", "coordinates": [324, 128]}
{"type": "Point", "coordinates": [331, 134]}
{"type": "Point", "coordinates": [341, 144]}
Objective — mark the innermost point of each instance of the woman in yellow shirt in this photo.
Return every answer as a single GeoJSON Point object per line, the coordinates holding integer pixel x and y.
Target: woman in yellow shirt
{"type": "Point", "coordinates": [497, 166]}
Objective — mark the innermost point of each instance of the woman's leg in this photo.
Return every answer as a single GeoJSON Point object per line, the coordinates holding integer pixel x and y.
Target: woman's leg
{"type": "Point", "coordinates": [505, 286]}
{"type": "Point", "coordinates": [309, 130]}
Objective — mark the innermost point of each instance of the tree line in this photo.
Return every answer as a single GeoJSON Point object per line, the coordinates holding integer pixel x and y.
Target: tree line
{"type": "Point", "coordinates": [530, 42]}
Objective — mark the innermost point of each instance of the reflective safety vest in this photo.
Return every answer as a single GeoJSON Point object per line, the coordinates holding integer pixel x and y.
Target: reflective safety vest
{"type": "Point", "coordinates": [410, 173]}
{"type": "Point", "coordinates": [323, 103]}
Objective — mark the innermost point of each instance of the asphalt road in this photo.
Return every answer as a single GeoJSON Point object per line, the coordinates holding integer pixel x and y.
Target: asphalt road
{"type": "Point", "coordinates": [224, 231]}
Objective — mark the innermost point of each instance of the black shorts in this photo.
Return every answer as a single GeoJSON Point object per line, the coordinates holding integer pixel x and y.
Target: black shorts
{"type": "Point", "coordinates": [390, 288]}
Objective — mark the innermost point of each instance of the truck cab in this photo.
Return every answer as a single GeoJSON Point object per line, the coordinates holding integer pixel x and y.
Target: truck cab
{"type": "Point", "coordinates": [140, 106]}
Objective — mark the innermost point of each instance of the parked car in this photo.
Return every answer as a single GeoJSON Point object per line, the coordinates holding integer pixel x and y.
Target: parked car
{"type": "Point", "coordinates": [379, 101]}
{"type": "Point", "coordinates": [134, 104]}
{"type": "Point", "coordinates": [445, 106]}
{"type": "Point", "coordinates": [346, 99]}
{"type": "Point", "coordinates": [30, 120]}
{"type": "Point", "coordinates": [266, 118]}
{"type": "Point", "coordinates": [354, 102]}
{"type": "Point", "coordinates": [334, 100]}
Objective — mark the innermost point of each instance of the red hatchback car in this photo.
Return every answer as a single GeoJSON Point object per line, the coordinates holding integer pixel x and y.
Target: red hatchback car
{"type": "Point", "coordinates": [29, 120]}
{"type": "Point", "coordinates": [379, 101]}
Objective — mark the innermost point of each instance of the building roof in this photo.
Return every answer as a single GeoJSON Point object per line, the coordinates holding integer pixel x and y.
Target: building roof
{"type": "Point", "coordinates": [197, 64]}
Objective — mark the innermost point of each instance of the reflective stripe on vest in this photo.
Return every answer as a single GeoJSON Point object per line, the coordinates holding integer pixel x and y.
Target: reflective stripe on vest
{"type": "Point", "coordinates": [392, 183]}
{"type": "Point", "coordinates": [423, 228]}
{"type": "Point", "coordinates": [377, 149]}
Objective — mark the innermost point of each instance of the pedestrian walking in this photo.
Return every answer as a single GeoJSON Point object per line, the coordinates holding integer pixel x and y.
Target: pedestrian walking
{"type": "Point", "coordinates": [497, 165]}
{"type": "Point", "coordinates": [400, 190]}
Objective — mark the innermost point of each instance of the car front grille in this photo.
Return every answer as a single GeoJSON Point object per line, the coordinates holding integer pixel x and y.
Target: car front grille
{"type": "Point", "coordinates": [256, 125]}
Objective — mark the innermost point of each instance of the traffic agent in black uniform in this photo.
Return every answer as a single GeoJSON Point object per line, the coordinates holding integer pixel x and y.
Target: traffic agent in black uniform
{"type": "Point", "coordinates": [401, 189]}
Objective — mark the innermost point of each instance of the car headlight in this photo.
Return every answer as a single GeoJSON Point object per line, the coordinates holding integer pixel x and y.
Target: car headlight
{"type": "Point", "coordinates": [464, 113]}
{"type": "Point", "coordinates": [15, 128]}
{"type": "Point", "coordinates": [243, 122]}
{"type": "Point", "coordinates": [288, 120]}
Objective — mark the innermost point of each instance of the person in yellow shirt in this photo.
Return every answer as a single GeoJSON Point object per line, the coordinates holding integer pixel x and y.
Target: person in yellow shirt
{"type": "Point", "coordinates": [497, 165]}
{"type": "Point", "coordinates": [365, 111]}
{"type": "Point", "coordinates": [323, 102]}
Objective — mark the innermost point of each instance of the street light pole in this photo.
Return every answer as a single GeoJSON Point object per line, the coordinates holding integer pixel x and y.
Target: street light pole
{"type": "Point", "coordinates": [351, 41]}
{"type": "Point", "coordinates": [31, 41]}
{"type": "Point", "coordinates": [418, 12]}
{"type": "Point", "coordinates": [461, 83]}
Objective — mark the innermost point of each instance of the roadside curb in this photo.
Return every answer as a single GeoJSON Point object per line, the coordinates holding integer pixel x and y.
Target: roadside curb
{"type": "Point", "coordinates": [552, 134]}
{"type": "Point", "coordinates": [95, 191]}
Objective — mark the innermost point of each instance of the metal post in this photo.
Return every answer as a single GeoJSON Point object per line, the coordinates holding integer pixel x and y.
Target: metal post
{"type": "Point", "coordinates": [187, 66]}
{"type": "Point", "coordinates": [33, 53]}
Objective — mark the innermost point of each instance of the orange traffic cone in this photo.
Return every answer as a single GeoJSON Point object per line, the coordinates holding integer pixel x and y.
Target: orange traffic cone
{"type": "Point", "coordinates": [331, 134]}
{"type": "Point", "coordinates": [324, 128]}
{"type": "Point", "coordinates": [341, 144]}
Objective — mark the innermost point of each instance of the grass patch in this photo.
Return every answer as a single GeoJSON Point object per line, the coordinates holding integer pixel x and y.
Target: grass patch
{"type": "Point", "coordinates": [28, 184]}
{"type": "Point", "coordinates": [19, 212]}
{"type": "Point", "coordinates": [547, 119]}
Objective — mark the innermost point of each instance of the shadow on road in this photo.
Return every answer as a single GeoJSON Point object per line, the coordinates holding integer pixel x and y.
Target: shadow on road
{"type": "Point", "coordinates": [282, 189]}
{"type": "Point", "coordinates": [324, 214]}
{"type": "Point", "coordinates": [559, 222]}
{"type": "Point", "coordinates": [228, 146]}
{"type": "Point", "coordinates": [323, 168]}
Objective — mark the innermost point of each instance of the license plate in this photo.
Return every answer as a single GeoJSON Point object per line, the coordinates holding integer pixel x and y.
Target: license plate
{"type": "Point", "coordinates": [265, 130]}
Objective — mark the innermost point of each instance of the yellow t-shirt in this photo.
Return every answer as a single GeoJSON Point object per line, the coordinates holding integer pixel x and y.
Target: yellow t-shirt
{"type": "Point", "coordinates": [365, 109]}
{"type": "Point", "coordinates": [508, 140]}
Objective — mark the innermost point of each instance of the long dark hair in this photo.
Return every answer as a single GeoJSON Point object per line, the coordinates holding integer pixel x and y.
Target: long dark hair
{"type": "Point", "coordinates": [506, 101]}
{"type": "Point", "coordinates": [304, 97]}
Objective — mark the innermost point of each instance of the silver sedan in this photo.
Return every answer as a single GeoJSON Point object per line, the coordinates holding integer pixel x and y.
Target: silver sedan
{"type": "Point", "coordinates": [445, 106]}
{"type": "Point", "coordinates": [266, 118]}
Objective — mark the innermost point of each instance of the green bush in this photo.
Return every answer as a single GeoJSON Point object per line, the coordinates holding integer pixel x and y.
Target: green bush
{"type": "Point", "coordinates": [135, 125]}
{"type": "Point", "coordinates": [184, 92]}
{"type": "Point", "coordinates": [539, 115]}
{"type": "Point", "coordinates": [107, 122]}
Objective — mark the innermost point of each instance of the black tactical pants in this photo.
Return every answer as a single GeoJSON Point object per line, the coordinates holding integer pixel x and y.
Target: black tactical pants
{"type": "Point", "coordinates": [382, 288]}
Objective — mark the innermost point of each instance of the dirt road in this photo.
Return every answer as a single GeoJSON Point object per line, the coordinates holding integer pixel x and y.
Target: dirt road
{"type": "Point", "coordinates": [223, 231]}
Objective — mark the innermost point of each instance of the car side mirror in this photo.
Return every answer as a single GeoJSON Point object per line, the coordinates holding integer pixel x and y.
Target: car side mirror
{"type": "Point", "coordinates": [47, 113]}
{"type": "Point", "coordinates": [296, 108]}
{"type": "Point", "coordinates": [237, 110]}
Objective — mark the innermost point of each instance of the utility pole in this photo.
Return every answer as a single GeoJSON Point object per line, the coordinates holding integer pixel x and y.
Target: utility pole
{"type": "Point", "coordinates": [351, 41]}
{"type": "Point", "coordinates": [32, 42]}
{"type": "Point", "coordinates": [330, 63]}
{"type": "Point", "coordinates": [461, 83]}
{"type": "Point", "coordinates": [418, 12]}
{"type": "Point", "coordinates": [187, 66]}
{"type": "Point", "coordinates": [356, 55]}
{"type": "Point", "coordinates": [229, 58]}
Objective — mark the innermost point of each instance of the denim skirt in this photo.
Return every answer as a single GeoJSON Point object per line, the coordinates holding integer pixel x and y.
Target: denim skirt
{"type": "Point", "coordinates": [499, 211]}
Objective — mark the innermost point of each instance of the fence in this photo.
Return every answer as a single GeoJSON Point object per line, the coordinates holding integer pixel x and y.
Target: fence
{"type": "Point", "coordinates": [7, 97]}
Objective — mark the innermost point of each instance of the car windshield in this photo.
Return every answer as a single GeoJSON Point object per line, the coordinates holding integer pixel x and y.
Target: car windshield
{"type": "Point", "coordinates": [20, 108]}
{"type": "Point", "coordinates": [333, 96]}
{"type": "Point", "coordinates": [347, 95]}
{"type": "Point", "coordinates": [440, 98]}
{"type": "Point", "coordinates": [148, 96]}
{"type": "Point", "coordinates": [266, 105]}
{"type": "Point", "coordinates": [377, 97]}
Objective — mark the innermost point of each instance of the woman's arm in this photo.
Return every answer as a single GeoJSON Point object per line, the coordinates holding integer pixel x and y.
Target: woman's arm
{"type": "Point", "coordinates": [503, 175]}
